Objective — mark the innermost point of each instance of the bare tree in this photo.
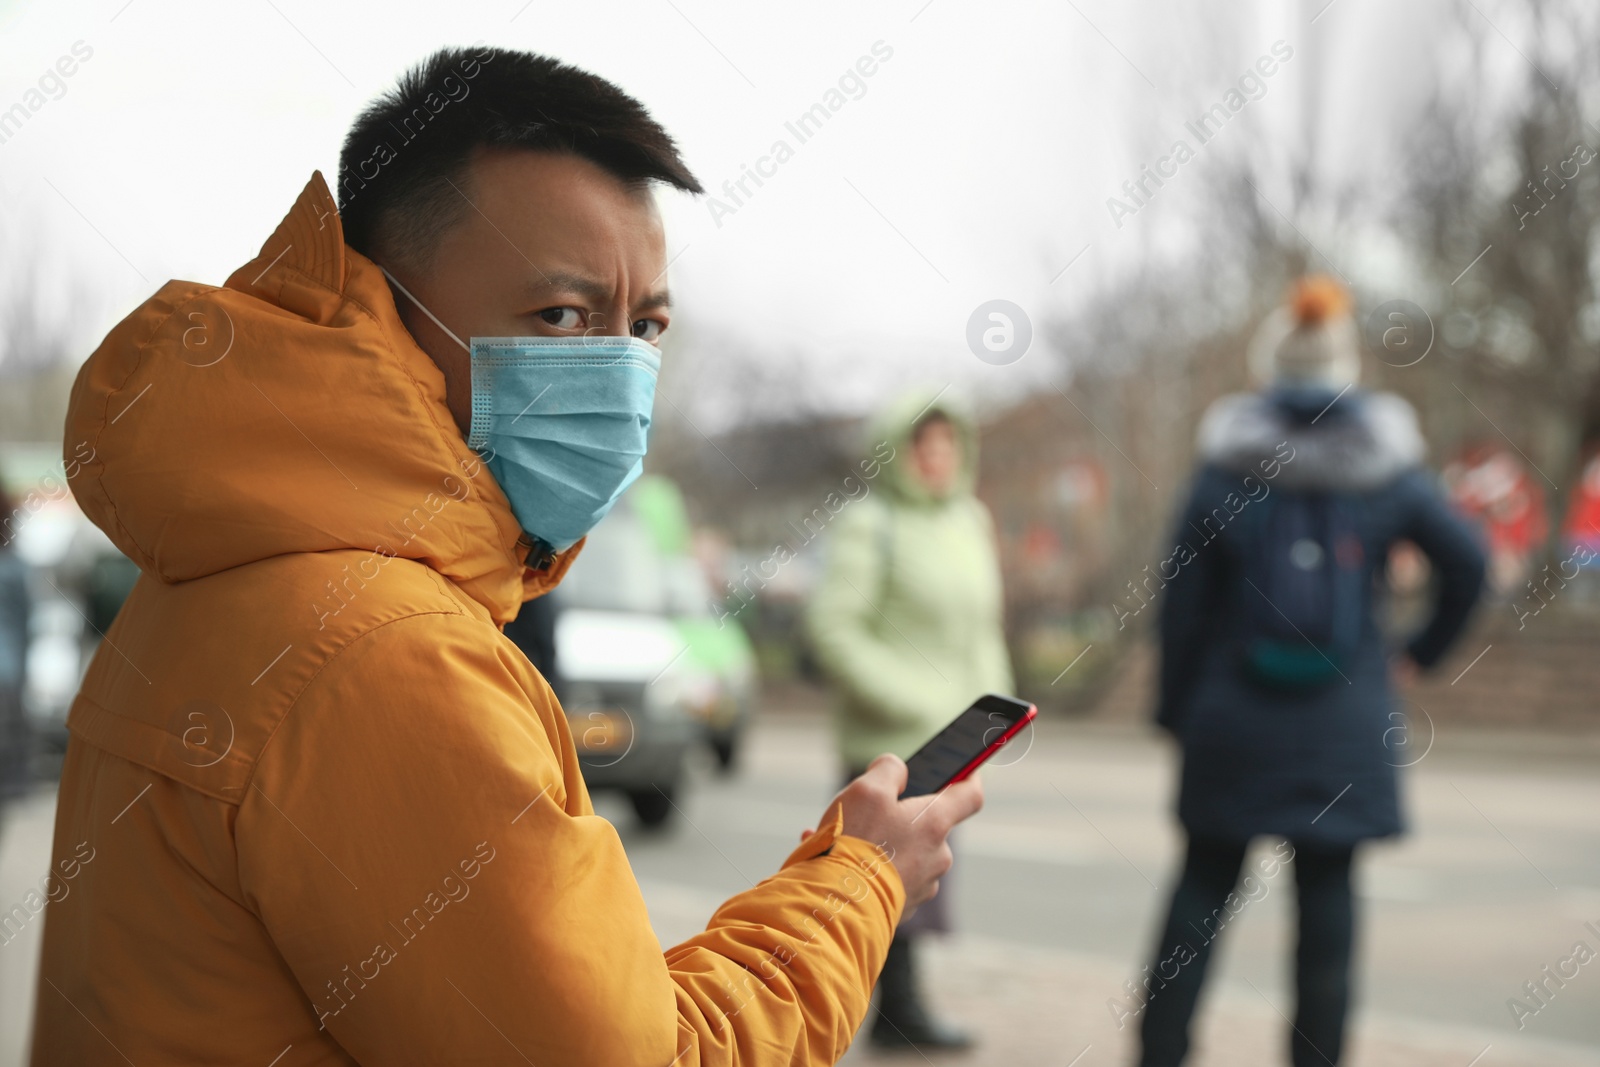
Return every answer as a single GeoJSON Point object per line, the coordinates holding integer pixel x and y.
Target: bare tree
{"type": "Point", "coordinates": [1505, 210]}
{"type": "Point", "coordinates": [36, 364]}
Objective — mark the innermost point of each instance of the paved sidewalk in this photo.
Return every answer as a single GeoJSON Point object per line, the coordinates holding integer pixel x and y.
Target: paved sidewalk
{"type": "Point", "coordinates": [1035, 1007]}
{"type": "Point", "coordinates": [1041, 1007]}
{"type": "Point", "coordinates": [25, 833]}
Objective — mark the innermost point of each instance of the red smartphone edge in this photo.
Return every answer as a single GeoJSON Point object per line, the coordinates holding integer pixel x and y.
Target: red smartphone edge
{"type": "Point", "coordinates": [994, 746]}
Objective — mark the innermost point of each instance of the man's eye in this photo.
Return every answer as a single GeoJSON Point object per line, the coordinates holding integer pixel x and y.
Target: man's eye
{"type": "Point", "coordinates": [648, 330]}
{"type": "Point", "coordinates": [563, 318]}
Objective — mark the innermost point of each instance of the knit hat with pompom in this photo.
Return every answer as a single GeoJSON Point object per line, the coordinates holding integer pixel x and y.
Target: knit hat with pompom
{"type": "Point", "coordinates": [1311, 340]}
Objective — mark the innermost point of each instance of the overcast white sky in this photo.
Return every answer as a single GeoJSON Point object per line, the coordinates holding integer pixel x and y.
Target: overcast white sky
{"type": "Point", "coordinates": [976, 165]}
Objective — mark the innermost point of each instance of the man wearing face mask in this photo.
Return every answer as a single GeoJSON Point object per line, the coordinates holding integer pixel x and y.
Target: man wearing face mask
{"type": "Point", "coordinates": [337, 816]}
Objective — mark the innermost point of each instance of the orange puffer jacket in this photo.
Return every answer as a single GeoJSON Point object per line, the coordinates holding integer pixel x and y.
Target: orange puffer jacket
{"type": "Point", "coordinates": [316, 807]}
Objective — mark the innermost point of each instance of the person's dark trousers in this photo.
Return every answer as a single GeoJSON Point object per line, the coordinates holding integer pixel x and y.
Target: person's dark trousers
{"type": "Point", "coordinates": [1199, 914]}
{"type": "Point", "coordinates": [1210, 870]}
{"type": "Point", "coordinates": [1322, 956]}
{"type": "Point", "coordinates": [902, 1021]}
{"type": "Point", "coordinates": [899, 1003]}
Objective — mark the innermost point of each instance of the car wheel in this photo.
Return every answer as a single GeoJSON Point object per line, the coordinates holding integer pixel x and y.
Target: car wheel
{"type": "Point", "coordinates": [653, 805]}
{"type": "Point", "coordinates": [726, 746]}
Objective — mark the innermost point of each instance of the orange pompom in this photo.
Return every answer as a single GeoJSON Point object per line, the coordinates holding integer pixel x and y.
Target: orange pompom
{"type": "Point", "coordinates": [1316, 298]}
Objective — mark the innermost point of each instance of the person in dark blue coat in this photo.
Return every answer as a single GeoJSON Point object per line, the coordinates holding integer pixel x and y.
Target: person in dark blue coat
{"type": "Point", "coordinates": [1275, 677]}
{"type": "Point", "coordinates": [16, 607]}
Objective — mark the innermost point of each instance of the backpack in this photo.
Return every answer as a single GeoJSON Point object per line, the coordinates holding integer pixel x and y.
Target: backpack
{"type": "Point", "coordinates": [1303, 556]}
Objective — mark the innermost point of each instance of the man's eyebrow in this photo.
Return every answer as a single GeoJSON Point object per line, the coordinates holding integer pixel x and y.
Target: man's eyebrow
{"type": "Point", "coordinates": [658, 299]}
{"type": "Point", "coordinates": [592, 290]}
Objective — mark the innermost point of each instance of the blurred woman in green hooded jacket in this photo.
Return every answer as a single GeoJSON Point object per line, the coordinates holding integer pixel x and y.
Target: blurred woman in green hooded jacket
{"type": "Point", "coordinates": [907, 623]}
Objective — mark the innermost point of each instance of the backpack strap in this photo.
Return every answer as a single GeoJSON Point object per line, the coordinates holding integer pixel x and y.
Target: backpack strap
{"type": "Point", "coordinates": [885, 553]}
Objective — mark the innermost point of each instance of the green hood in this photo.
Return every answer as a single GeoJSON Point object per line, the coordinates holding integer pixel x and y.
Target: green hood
{"type": "Point", "coordinates": [907, 618]}
{"type": "Point", "coordinates": [895, 423]}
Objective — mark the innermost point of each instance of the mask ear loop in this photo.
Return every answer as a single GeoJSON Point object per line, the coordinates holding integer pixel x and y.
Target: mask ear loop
{"type": "Point", "coordinates": [424, 310]}
{"type": "Point", "coordinates": [478, 429]}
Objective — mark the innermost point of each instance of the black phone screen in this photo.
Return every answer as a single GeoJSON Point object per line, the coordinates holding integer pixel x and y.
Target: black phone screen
{"type": "Point", "coordinates": [966, 738]}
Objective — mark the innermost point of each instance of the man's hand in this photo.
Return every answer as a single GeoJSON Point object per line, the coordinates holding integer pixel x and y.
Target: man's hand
{"type": "Point", "coordinates": [911, 831]}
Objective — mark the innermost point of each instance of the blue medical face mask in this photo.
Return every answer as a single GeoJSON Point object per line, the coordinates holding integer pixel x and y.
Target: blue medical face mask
{"type": "Point", "coordinates": [562, 423]}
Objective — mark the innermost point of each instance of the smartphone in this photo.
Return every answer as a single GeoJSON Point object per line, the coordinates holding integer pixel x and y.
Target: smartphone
{"type": "Point", "coordinates": [957, 750]}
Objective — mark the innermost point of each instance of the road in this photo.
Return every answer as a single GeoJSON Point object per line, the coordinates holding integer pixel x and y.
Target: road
{"type": "Point", "coordinates": [1061, 877]}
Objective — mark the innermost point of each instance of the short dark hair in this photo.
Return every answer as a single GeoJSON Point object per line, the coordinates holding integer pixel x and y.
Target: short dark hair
{"type": "Point", "coordinates": [406, 155]}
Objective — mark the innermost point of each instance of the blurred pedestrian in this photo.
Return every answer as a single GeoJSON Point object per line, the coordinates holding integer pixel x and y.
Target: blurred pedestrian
{"type": "Point", "coordinates": [907, 624]}
{"type": "Point", "coordinates": [16, 741]}
{"type": "Point", "coordinates": [534, 631]}
{"type": "Point", "coordinates": [1275, 677]}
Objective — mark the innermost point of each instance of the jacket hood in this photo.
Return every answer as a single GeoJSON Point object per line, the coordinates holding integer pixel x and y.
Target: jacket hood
{"type": "Point", "coordinates": [288, 411]}
{"type": "Point", "coordinates": [1350, 440]}
{"type": "Point", "coordinates": [895, 424]}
